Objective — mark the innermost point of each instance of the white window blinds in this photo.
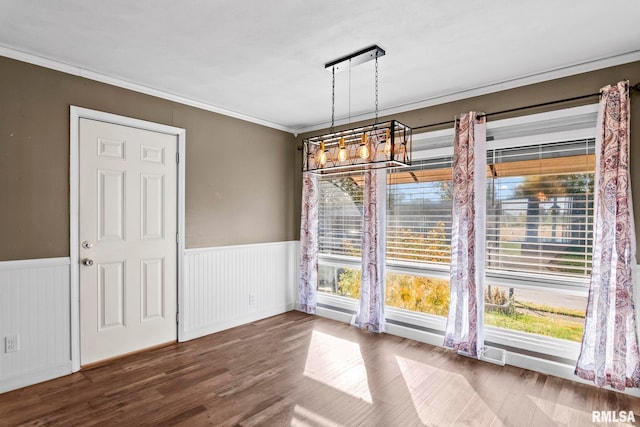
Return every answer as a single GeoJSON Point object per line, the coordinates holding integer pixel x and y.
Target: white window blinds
{"type": "Point", "coordinates": [539, 201]}
{"type": "Point", "coordinates": [340, 215]}
{"type": "Point", "coordinates": [540, 208]}
{"type": "Point", "coordinates": [419, 212]}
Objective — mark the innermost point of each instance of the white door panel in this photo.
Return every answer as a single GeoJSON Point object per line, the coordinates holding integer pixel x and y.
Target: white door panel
{"type": "Point", "coordinates": [110, 296]}
{"type": "Point", "coordinates": [128, 215]}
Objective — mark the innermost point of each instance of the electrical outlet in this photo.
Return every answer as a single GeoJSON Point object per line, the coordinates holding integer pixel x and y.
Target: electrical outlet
{"type": "Point", "coordinates": [11, 344]}
{"type": "Point", "coordinates": [252, 299]}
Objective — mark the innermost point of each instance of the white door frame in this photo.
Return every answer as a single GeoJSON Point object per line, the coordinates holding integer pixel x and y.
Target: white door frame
{"type": "Point", "coordinates": [76, 114]}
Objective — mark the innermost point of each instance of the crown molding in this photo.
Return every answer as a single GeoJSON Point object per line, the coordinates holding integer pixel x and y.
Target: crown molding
{"type": "Point", "coordinates": [552, 74]}
{"type": "Point", "coordinates": [428, 102]}
{"type": "Point", "coordinates": [113, 81]}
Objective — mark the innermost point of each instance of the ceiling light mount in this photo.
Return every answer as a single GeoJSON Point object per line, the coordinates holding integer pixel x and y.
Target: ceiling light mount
{"type": "Point", "coordinates": [359, 57]}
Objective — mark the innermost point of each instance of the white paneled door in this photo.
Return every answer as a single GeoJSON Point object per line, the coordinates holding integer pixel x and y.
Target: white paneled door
{"type": "Point", "coordinates": [127, 238]}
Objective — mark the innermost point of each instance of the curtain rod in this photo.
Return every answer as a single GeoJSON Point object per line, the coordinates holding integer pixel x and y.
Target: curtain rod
{"type": "Point", "coordinates": [635, 87]}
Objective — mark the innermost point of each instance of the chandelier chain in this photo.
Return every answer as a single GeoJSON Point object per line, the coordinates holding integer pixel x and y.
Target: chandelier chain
{"type": "Point", "coordinates": [333, 97]}
{"type": "Point", "coordinates": [376, 121]}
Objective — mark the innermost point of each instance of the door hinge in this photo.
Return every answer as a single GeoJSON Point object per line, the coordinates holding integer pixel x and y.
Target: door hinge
{"type": "Point", "coordinates": [177, 318]}
{"type": "Point", "coordinates": [177, 157]}
{"type": "Point", "coordinates": [177, 238]}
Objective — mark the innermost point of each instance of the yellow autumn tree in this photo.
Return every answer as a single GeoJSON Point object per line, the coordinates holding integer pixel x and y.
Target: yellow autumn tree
{"type": "Point", "coordinates": [423, 294]}
{"type": "Point", "coordinates": [349, 283]}
{"type": "Point", "coordinates": [417, 293]}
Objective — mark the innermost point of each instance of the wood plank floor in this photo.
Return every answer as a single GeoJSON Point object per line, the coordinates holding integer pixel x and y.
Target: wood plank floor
{"type": "Point", "coordinates": [295, 369]}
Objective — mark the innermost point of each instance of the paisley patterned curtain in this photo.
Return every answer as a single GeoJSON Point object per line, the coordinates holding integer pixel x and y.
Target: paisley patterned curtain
{"type": "Point", "coordinates": [371, 311]}
{"type": "Point", "coordinates": [465, 321]}
{"type": "Point", "coordinates": [609, 353]}
{"type": "Point", "coordinates": [308, 284]}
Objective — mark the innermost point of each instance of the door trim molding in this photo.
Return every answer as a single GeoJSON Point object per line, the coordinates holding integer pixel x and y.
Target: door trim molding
{"type": "Point", "coordinates": [76, 113]}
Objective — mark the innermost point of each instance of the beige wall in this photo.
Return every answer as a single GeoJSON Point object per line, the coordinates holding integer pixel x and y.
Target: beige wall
{"type": "Point", "coordinates": [569, 87]}
{"type": "Point", "coordinates": [248, 192]}
{"type": "Point", "coordinates": [239, 176]}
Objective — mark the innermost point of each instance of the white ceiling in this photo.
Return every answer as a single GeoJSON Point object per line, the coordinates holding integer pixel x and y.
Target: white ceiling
{"type": "Point", "coordinates": [264, 60]}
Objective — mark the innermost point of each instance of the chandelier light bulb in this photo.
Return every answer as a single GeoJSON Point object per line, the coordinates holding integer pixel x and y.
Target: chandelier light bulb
{"type": "Point", "coordinates": [342, 154]}
{"type": "Point", "coordinates": [387, 144]}
{"type": "Point", "coordinates": [322, 157]}
{"type": "Point", "coordinates": [363, 150]}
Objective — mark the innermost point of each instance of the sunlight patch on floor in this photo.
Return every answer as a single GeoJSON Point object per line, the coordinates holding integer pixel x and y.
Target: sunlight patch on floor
{"type": "Point", "coordinates": [427, 384]}
{"type": "Point", "coordinates": [553, 410]}
{"type": "Point", "coordinates": [305, 417]}
{"type": "Point", "coordinates": [337, 363]}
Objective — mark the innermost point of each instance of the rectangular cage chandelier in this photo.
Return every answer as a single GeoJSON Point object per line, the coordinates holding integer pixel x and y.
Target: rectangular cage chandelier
{"type": "Point", "coordinates": [384, 144]}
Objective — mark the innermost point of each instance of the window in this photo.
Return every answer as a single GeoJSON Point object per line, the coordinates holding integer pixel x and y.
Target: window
{"type": "Point", "coordinates": [340, 215]}
{"type": "Point", "coordinates": [419, 236]}
{"type": "Point", "coordinates": [419, 213]}
{"type": "Point", "coordinates": [540, 209]}
{"type": "Point", "coordinates": [340, 234]}
{"type": "Point", "coordinates": [540, 179]}
{"type": "Point", "coordinates": [539, 228]}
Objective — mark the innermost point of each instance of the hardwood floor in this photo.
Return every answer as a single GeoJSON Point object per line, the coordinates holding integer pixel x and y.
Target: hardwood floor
{"type": "Point", "coordinates": [295, 369]}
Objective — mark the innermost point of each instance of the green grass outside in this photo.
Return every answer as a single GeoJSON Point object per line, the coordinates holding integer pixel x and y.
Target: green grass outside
{"type": "Point", "coordinates": [552, 321]}
{"type": "Point", "coordinates": [551, 309]}
{"type": "Point", "coordinates": [547, 326]}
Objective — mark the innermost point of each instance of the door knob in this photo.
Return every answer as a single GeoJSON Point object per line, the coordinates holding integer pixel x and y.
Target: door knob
{"type": "Point", "coordinates": [87, 261]}
{"type": "Point", "coordinates": [87, 244]}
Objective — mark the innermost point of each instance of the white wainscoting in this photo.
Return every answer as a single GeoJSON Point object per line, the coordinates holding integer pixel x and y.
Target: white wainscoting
{"type": "Point", "coordinates": [35, 306]}
{"type": "Point", "coordinates": [228, 286]}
